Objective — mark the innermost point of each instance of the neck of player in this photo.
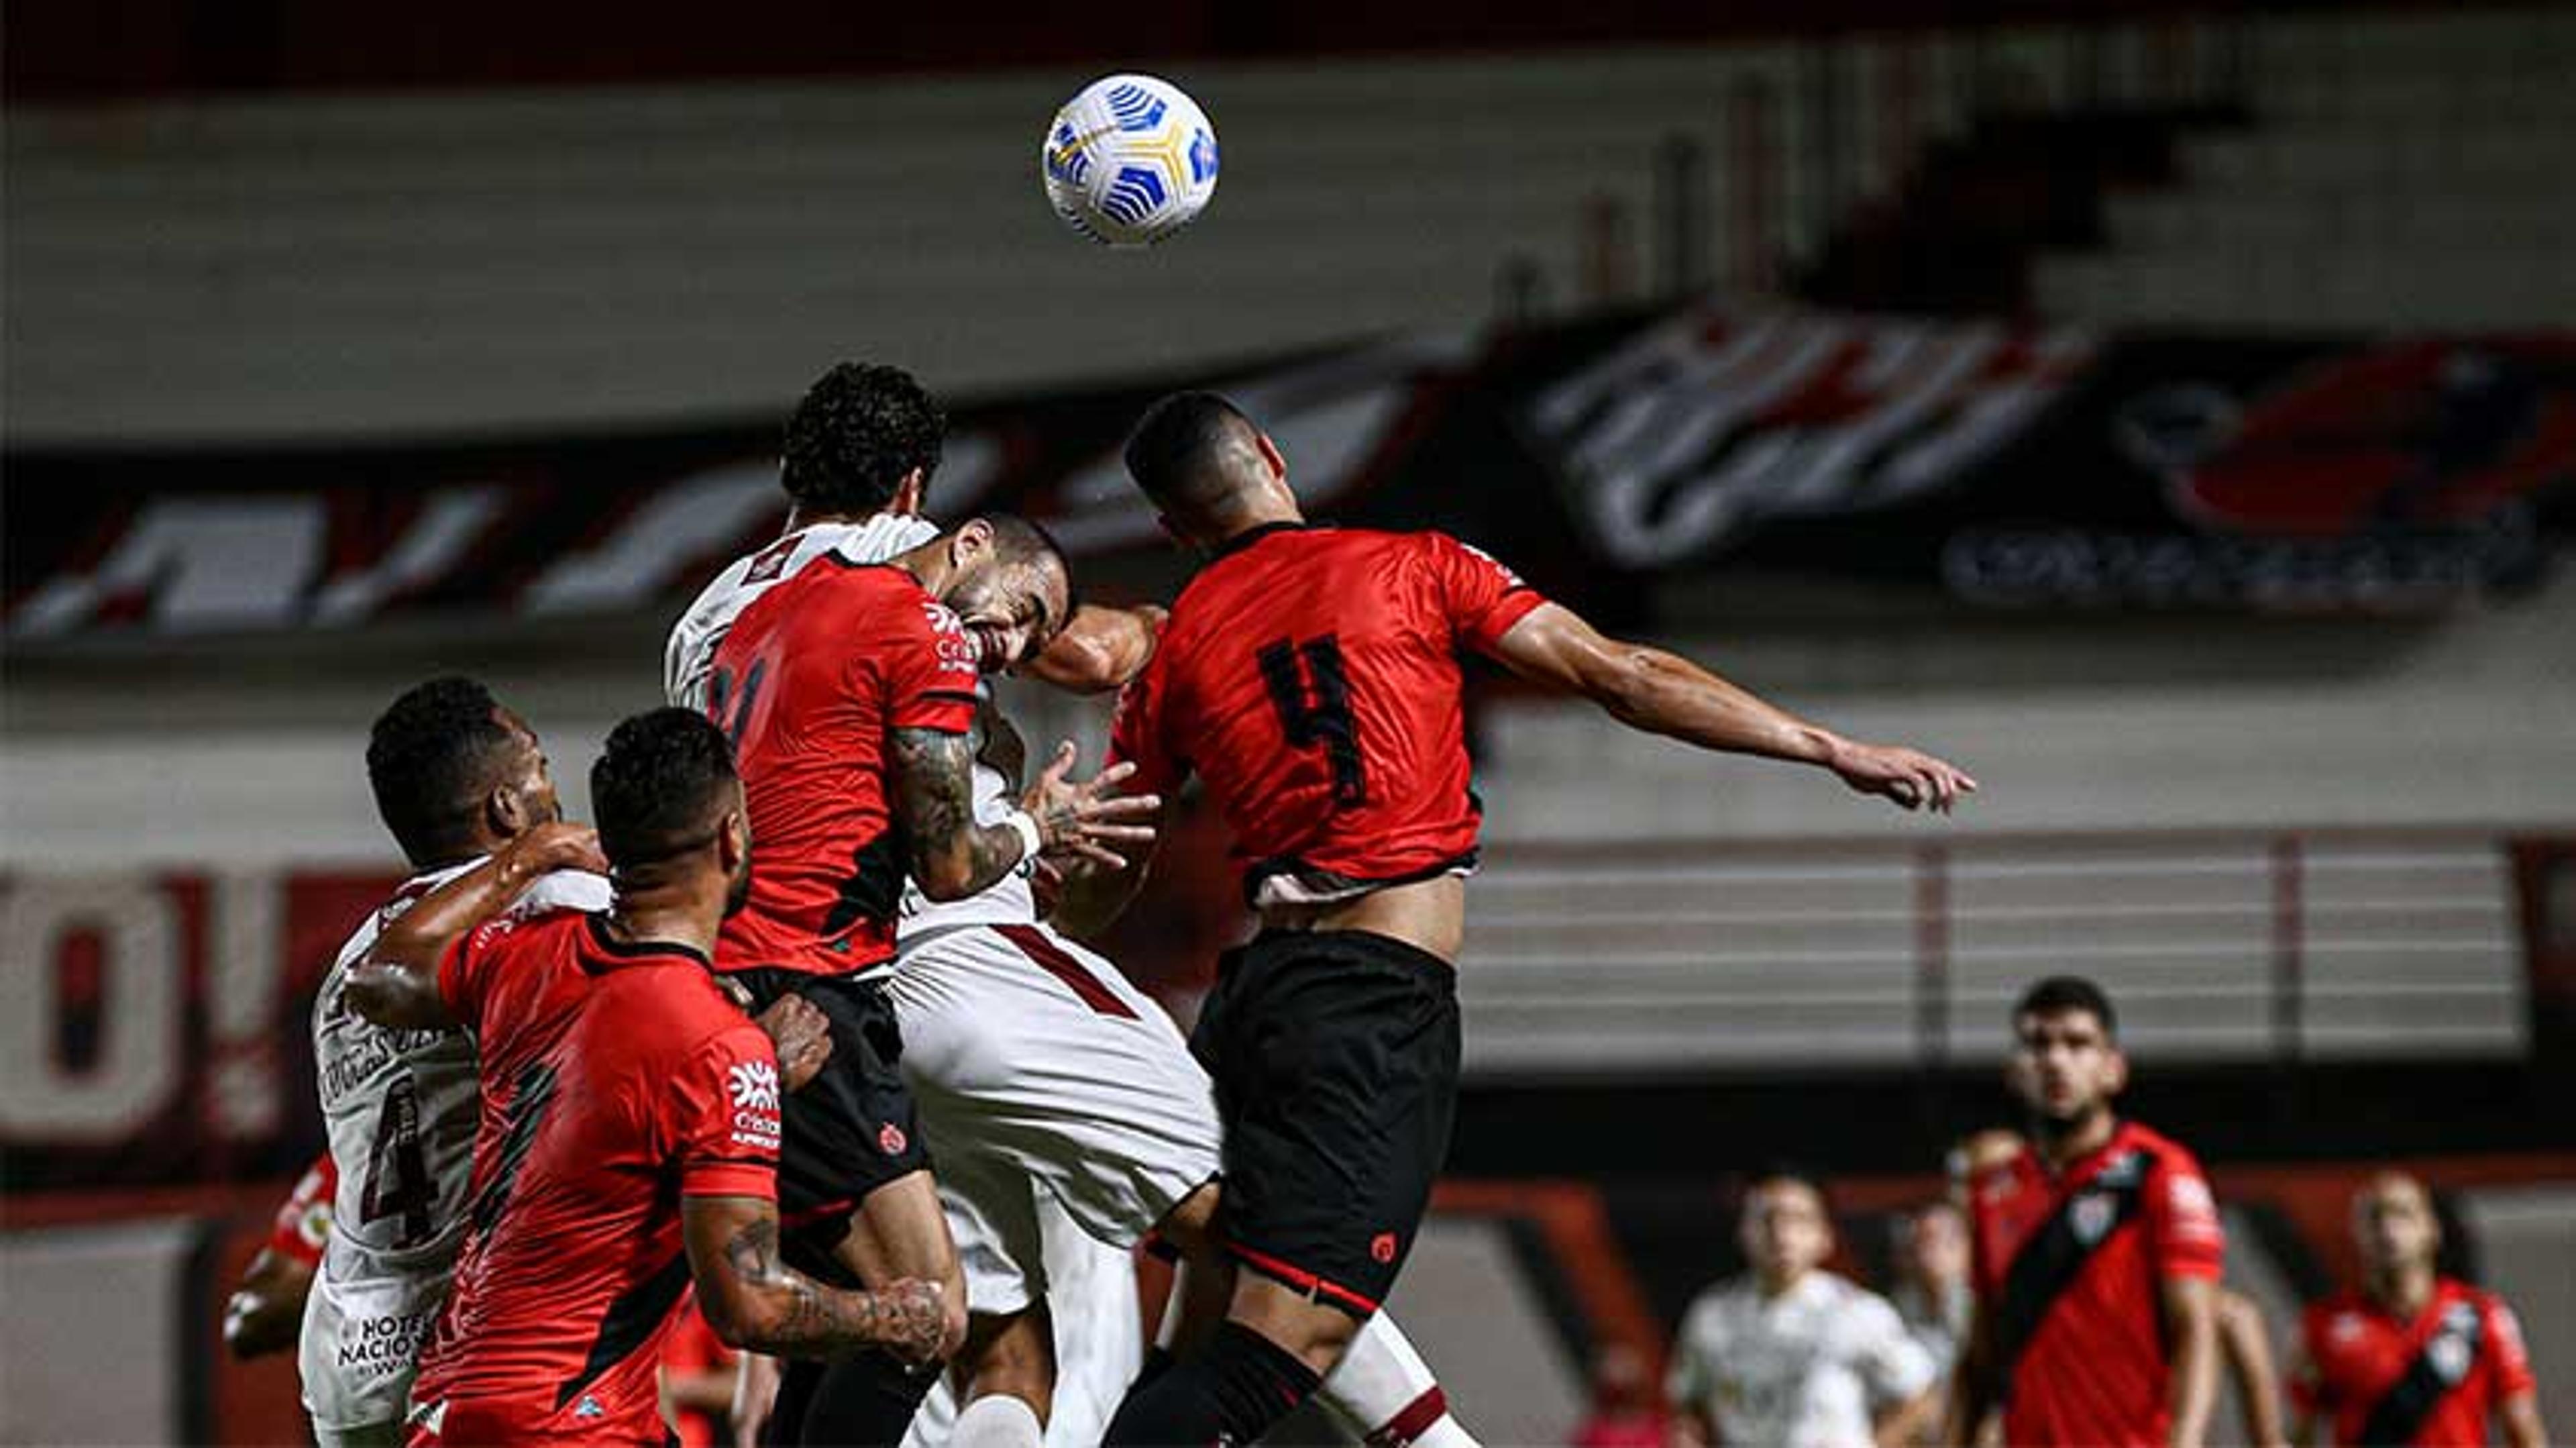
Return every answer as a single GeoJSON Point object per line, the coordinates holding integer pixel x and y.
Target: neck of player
{"type": "Point", "coordinates": [2062, 1143]}
{"type": "Point", "coordinates": [684, 909]}
{"type": "Point", "coordinates": [1428, 915]}
{"type": "Point", "coordinates": [2405, 1290]}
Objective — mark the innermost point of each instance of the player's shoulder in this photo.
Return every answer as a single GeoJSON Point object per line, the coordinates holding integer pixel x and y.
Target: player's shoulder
{"type": "Point", "coordinates": [1988, 1161]}
{"type": "Point", "coordinates": [2338, 1313]}
{"type": "Point", "coordinates": [2164, 1153]}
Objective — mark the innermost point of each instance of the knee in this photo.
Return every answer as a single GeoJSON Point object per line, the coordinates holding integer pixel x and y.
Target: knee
{"type": "Point", "coordinates": [1012, 1356]}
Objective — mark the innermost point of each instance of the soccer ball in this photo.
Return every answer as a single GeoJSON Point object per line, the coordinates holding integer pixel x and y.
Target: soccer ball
{"type": "Point", "coordinates": [1129, 161]}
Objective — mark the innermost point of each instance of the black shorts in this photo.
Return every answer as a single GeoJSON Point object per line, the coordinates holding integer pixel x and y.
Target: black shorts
{"type": "Point", "coordinates": [848, 1131]}
{"type": "Point", "coordinates": [1335, 1056]}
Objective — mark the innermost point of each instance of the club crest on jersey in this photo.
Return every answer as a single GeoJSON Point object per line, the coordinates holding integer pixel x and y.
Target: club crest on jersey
{"type": "Point", "coordinates": [2455, 1344]}
{"type": "Point", "coordinates": [588, 1407]}
{"type": "Point", "coordinates": [754, 1085]}
{"type": "Point", "coordinates": [891, 1140]}
{"type": "Point", "coordinates": [2090, 1216]}
{"type": "Point", "coordinates": [1382, 1247]}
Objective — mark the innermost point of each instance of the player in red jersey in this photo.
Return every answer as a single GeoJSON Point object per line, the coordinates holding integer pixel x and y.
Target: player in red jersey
{"type": "Point", "coordinates": [266, 1312]}
{"type": "Point", "coordinates": [849, 691]}
{"type": "Point", "coordinates": [1309, 676]}
{"type": "Point", "coordinates": [2413, 1356]}
{"type": "Point", "coordinates": [2097, 1252]}
{"type": "Point", "coordinates": [629, 1135]}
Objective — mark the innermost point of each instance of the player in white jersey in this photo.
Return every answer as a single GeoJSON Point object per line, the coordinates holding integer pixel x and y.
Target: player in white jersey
{"type": "Point", "coordinates": [455, 777]}
{"type": "Point", "coordinates": [1791, 1354]}
{"type": "Point", "coordinates": [1048, 1085]}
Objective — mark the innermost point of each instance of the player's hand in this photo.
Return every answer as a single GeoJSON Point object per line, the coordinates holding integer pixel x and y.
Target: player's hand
{"type": "Point", "coordinates": [1088, 821]}
{"type": "Point", "coordinates": [1908, 777]}
{"type": "Point", "coordinates": [561, 845]}
{"type": "Point", "coordinates": [910, 1320]}
{"type": "Point", "coordinates": [755, 1392]}
{"type": "Point", "coordinates": [803, 1036]}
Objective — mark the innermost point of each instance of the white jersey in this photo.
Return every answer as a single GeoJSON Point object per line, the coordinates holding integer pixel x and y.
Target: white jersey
{"type": "Point", "coordinates": [400, 1109]}
{"type": "Point", "coordinates": [1809, 1368]}
{"type": "Point", "coordinates": [689, 661]}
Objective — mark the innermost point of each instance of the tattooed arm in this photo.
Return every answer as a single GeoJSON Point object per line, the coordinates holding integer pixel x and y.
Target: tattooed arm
{"type": "Point", "coordinates": [756, 1302]}
{"type": "Point", "coordinates": [934, 802]}
{"type": "Point", "coordinates": [953, 857]}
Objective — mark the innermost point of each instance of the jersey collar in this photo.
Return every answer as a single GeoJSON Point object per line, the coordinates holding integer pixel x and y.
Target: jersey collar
{"type": "Point", "coordinates": [1255, 534]}
{"type": "Point", "coordinates": [641, 949]}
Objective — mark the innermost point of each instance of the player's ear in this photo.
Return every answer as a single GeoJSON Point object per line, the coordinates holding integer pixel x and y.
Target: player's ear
{"type": "Point", "coordinates": [1271, 455]}
{"type": "Point", "coordinates": [505, 815]}
{"type": "Point", "coordinates": [733, 841]}
{"type": "Point", "coordinates": [908, 494]}
{"type": "Point", "coordinates": [973, 539]}
{"type": "Point", "coordinates": [2116, 1064]}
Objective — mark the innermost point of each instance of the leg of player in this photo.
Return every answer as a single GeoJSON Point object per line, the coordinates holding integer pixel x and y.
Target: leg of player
{"type": "Point", "coordinates": [898, 1231]}
{"type": "Point", "coordinates": [1008, 1368]}
{"type": "Point", "coordinates": [1385, 1393]}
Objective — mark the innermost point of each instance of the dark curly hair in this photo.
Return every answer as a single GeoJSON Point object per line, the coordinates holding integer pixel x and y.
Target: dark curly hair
{"type": "Point", "coordinates": [430, 757]}
{"type": "Point", "coordinates": [657, 784]}
{"type": "Point", "coordinates": [860, 429]}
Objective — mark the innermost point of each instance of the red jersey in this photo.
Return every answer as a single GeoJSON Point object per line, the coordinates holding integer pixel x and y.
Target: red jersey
{"type": "Point", "coordinates": [2435, 1380]}
{"type": "Point", "coordinates": [616, 1079]}
{"type": "Point", "coordinates": [808, 684]}
{"type": "Point", "coordinates": [693, 1348]}
{"type": "Point", "coordinates": [303, 1221]}
{"type": "Point", "coordinates": [2069, 1271]}
{"type": "Point", "coordinates": [1310, 676]}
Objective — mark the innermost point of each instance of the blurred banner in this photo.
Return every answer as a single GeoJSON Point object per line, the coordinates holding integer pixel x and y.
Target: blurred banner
{"type": "Point", "coordinates": [2009, 466]}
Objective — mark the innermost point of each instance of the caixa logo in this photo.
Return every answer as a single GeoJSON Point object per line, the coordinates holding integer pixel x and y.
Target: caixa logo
{"type": "Point", "coordinates": [755, 1086]}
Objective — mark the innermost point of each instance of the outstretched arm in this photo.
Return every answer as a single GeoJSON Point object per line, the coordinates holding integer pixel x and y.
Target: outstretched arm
{"type": "Point", "coordinates": [758, 1303]}
{"type": "Point", "coordinates": [397, 984]}
{"type": "Point", "coordinates": [1100, 649]}
{"type": "Point", "coordinates": [1663, 693]}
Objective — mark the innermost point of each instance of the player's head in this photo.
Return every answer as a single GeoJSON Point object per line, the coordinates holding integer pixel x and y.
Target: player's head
{"type": "Point", "coordinates": [455, 774]}
{"type": "Point", "coordinates": [1932, 1244]}
{"type": "Point", "coordinates": [2394, 1225]}
{"type": "Point", "coordinates": [1784, 1227]}
{"type": "Point", "coordinates": [2066, 1059]}
{"type": "Point", "coordinates": [1205, 466]}
{"type": "Point", "coordinates": [669, 807]}
{"type": "Point", "coordinates": [864, 440]}
{"type": "Point", "coordinates": [1006, 581]}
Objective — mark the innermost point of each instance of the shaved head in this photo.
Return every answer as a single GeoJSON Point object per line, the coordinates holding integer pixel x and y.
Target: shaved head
{"type": "Point", "coordinates": [1200, 459]}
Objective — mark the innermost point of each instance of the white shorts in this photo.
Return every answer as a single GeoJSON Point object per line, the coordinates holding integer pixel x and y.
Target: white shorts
{"type": "Point", "coordinates": [361, 1347]}
{"type": "Point", "coordinates": [1099, 1339]}
{"type": "Point", "coordinates": [1034, 1064]}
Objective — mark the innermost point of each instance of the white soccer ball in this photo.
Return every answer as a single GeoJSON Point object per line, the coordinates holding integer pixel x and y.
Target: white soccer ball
{"type": "Point", "coordinates": [1129, 161]}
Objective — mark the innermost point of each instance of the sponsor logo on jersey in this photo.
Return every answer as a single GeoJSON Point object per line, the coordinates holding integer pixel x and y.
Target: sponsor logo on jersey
{"type": "Point", "coordinates": [755, 1086]}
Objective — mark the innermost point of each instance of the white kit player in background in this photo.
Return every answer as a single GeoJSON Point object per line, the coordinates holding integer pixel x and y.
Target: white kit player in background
{"type": "Point", "coordinates": [1066, 1117]}
{"type": "Point", "coordinates": [1791, 1354]}
{"type": "Point", "coordinates": [455, 777]}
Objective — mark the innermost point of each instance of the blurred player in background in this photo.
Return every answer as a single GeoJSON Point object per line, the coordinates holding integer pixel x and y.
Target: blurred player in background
{"type": "Point", "coordinates": [2097, 1251]}
{"type": "Point", "coordinates": [1309, 677]}
{"type": "Point", "coordinates": [1933, 1295]}
{"type": "Point", "coordinates": [2412, 1356]}
{"type": "Point", "coordinates": [629, 1141]}
{"type": "Point", "coordinates": [1791, 1354]}
{"type": "Point", "coordinates": [266, 1313]}
{"type": "Point", "coordinates": [456, 777]}
{"type": "Point", "coordinates": [1068, 1114]}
